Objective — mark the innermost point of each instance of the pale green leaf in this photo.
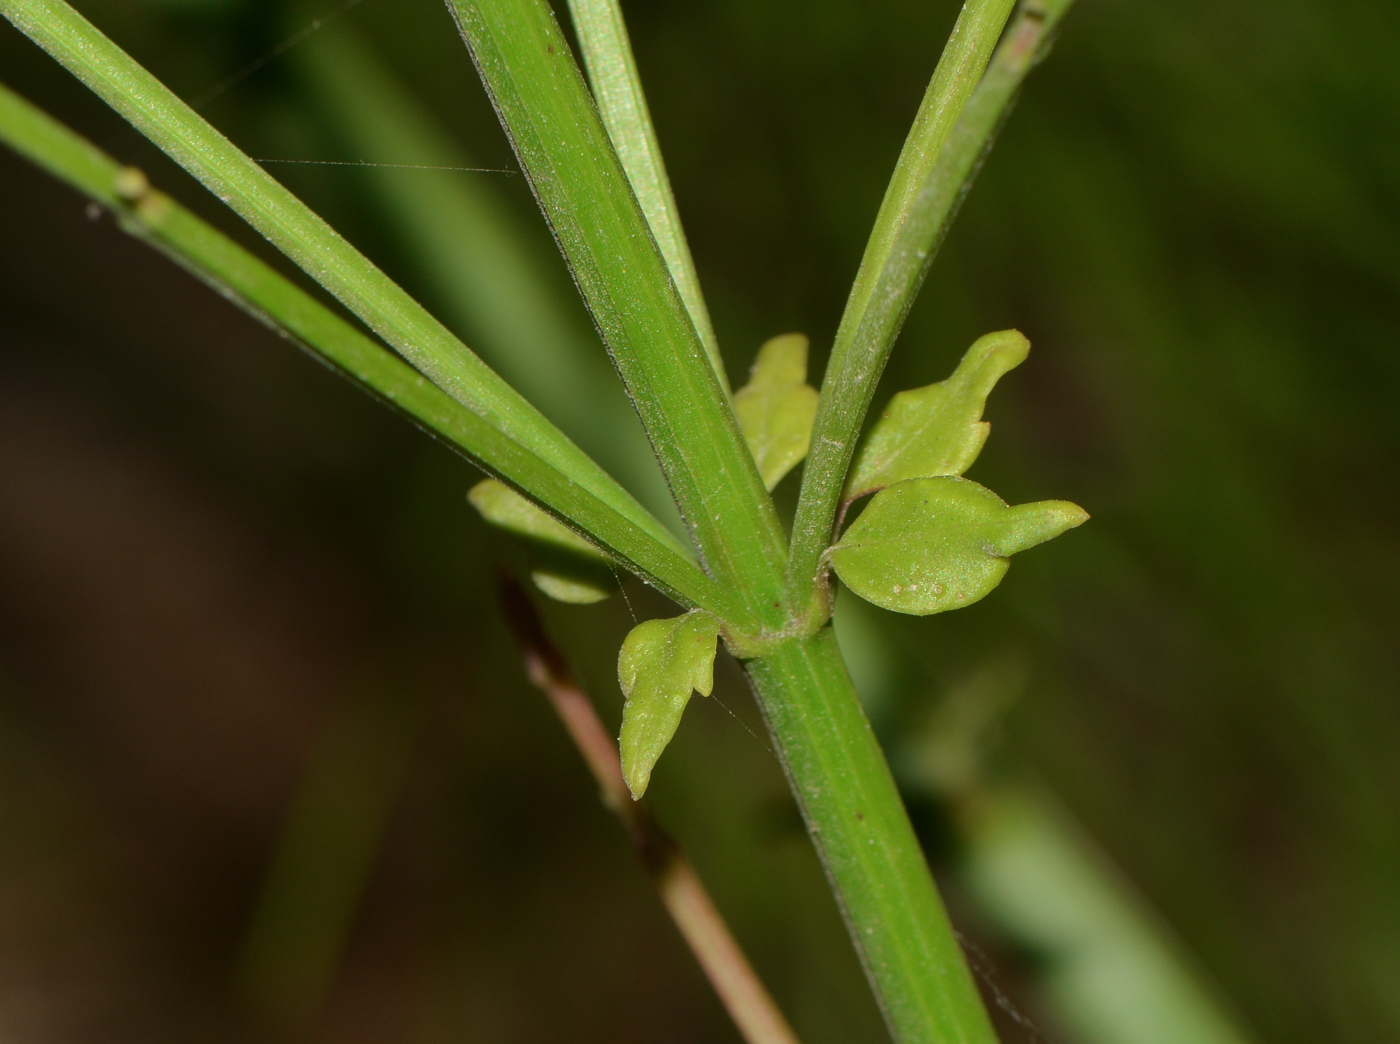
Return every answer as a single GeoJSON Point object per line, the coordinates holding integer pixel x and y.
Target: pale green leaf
{"type": "Point", "coordinates": [502, 506]}
{"type": "Point", "coordinates": [777, 406]}
{"type": "Point", "coordinates": [931, 544]}
{"type": "Point", "coordinates": [938, 429]}
{"type": "Point", "coordinates": [661, 663]}
{"type": "Point", "coordinates": [570, 584]}
{"type": "Point", "coordinates": [564, 566]}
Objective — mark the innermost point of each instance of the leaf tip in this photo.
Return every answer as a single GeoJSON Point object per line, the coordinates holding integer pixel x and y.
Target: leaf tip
{"type": "Point", "coordinates": [637, 776]}
{"type": "Point", "coordinates": [992, 356]}
{"type": "Point", "coordinates": [482, 495]}
{"type": "Point", "coordinates": [1030, 524]}
{"type": "Point", "coordinates": [782, 359]}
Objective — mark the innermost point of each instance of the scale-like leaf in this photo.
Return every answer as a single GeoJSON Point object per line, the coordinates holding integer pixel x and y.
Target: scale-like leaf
{"type": "Point", "coordinates": [777, 406]}
{"type": "Point", "coordinates": [938, 429]}
{"type": "Point", "coordinates": [661, 663]}
{"type": "Point", "coordinates": [931, 544]}
{"type": "Point", "coordinates": [563, 564]}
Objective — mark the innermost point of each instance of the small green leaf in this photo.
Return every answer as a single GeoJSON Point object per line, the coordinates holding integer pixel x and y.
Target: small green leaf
{"type": "Point", "coordinates": [931, 544]}
{"type": "Point", "coordinates": [564, 566]}
{"type": "Point", "coordinates": [502, 506]}
{"type": "Point", "coordinates": [777, 406]}
{"type": "Point", "coordinates": [938, 429]}
{"type": "Point", "coordinates": [661, 662]}
{"type": "Point", "coordinates": [569, 585]}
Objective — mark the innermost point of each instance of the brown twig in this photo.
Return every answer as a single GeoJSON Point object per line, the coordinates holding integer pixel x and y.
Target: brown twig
{"type": "Point", "coordinates": [676, 882]}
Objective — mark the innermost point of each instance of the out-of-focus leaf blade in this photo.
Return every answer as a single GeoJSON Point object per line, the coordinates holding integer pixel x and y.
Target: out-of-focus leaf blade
{"type": "Point", "coordinates": [567, 585]}
{"type": "Point", "coordinates": [776, 408]}
{"type": "Point", "coordinates": [660, 664]}
{"type": "Point", "coordinates": [1112, 971]}
{"type": "Point", "coordinates": [936, 430]}
{"type": "Point", "coordinates": [928, 545]}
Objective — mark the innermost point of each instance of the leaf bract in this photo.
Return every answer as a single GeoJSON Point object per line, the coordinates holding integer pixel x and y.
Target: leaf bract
{"type": "Point", "coordinates": [936, 430]}
{"type": "Point", "coordinates": [563, 565]}
{"type": "Point", "coordinates": [776, 408]}
{"type": "Point", "coordinates": [928, 545]}
{"type": "Point", "coordinates": [660, 664]}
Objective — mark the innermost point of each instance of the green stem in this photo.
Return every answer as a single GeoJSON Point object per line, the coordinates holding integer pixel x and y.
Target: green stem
{"type": "Point", "coordinates": [617, 88]}
{"type": "Point", "coordinates": [248, 282]}
{"type": "Point", "coordinates": [896, 258]}
{"type": "Point", "coordinates": [863, 835]}
{"type": "Point", "coordinates": [540, 95]}
{"type": "Point", "coordinates": [473, 253]}
{"type": "Point", "coordinates": [313, 245]}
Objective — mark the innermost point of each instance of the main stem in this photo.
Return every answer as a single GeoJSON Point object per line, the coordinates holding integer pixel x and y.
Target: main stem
{"type": "Point", "coordinates": [866, 843]}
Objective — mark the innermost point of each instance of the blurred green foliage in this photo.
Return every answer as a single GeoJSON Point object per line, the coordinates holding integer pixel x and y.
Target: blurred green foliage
{"type": "Point", "coordinates": [1192, 215]}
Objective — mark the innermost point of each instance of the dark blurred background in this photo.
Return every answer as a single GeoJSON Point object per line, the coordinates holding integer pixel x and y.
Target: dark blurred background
{"type": "Point", "coordinates": [269, 767]}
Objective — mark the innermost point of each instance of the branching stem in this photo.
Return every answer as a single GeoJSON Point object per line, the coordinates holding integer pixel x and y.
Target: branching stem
{"type": "Point", "coordinates": [211, 256]}
{"type": "Point", "coordinates": [313, 245]}
{"type": "Point", "coordinates": [564, 149]}
{"type": "Point", "coordinates": [638, 296]}
{"type": "Point", "coordinates": [954, 128]}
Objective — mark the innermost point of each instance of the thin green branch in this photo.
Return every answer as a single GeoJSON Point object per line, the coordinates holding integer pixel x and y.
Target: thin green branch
{"type": "Point", "coordinates": [897, 256]}
{"type": "Point", "coordinates": [617, 88]}
{"type": "Point", "coordinates": [544, 104]}
{"type": "Point", "coordinates": [474, 255]}
{"type": "Point", "coordinates": [242, 278]}
{"type": "Point", "coordinates": [317, 248]}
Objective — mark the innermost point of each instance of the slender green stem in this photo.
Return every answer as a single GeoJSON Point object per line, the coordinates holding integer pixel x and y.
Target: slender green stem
{"type": "Point", "coordinates": [562, 146]}
{"type": "Point", "coordinates": [617, 88]}
{"type": "Point", "coordinates": [895, 259]}
{"type": "Point", "coordinates": [863, 835]}
{"type": "Point", "coordinates": [241, 277]}
{"type": "Point", "coordinates": [313, 245]}
{"type": "Point", "coordinates": [474, 254]}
